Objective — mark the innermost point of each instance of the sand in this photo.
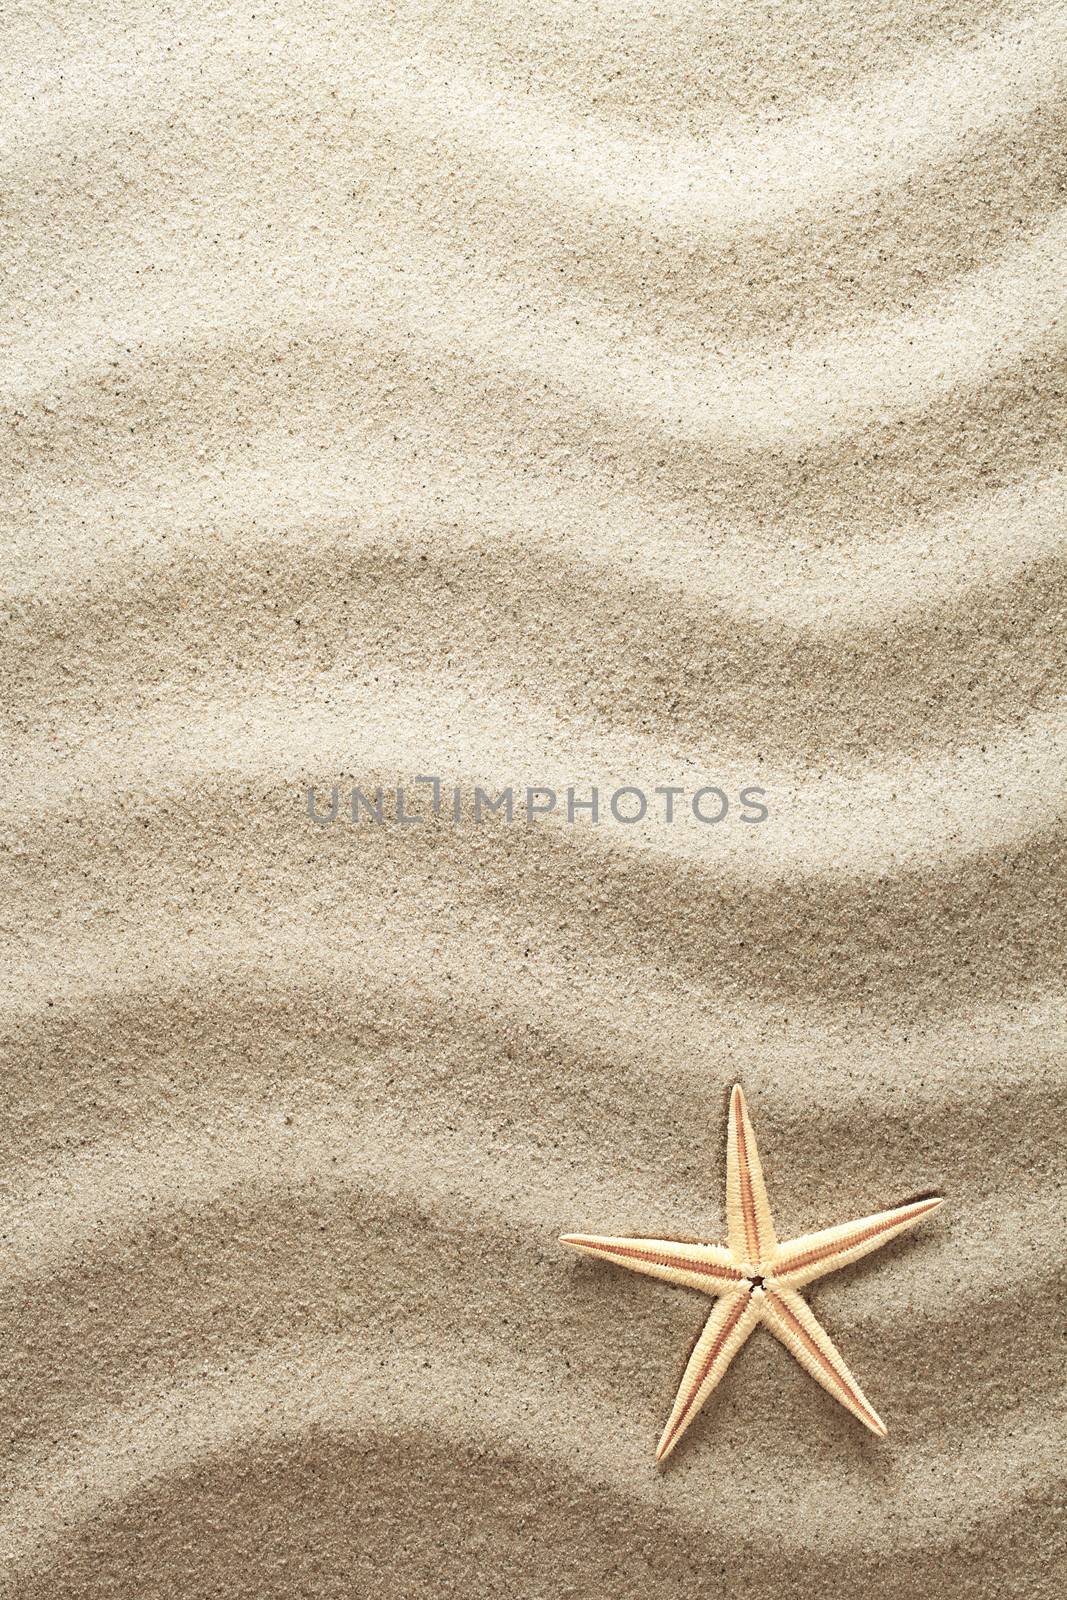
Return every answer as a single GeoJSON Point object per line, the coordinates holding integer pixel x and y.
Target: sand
{"type": "Point", "coordinates": [553, 395]}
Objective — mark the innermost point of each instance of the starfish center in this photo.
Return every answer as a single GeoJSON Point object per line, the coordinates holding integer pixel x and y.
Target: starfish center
{"type": "Point", "coordinates": [755, 1280]}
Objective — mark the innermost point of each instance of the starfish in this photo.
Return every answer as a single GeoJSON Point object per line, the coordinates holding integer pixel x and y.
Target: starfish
{"type": "Point", "coordinates": [755, 1279]}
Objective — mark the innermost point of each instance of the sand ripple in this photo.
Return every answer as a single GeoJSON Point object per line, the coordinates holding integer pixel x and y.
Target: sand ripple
{"type": "Point", "coordinates": [566, 394]}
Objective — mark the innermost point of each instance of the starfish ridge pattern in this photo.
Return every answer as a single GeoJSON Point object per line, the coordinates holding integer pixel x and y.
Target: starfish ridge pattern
{"type": "Point", "coordinates": [755, 1279]}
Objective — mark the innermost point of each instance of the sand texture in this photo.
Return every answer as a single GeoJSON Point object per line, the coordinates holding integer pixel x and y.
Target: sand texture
{"type": "Point", "coordinates": [566, 393]}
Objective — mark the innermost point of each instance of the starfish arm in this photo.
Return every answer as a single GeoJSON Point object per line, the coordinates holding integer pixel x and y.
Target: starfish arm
{"type": "Point", "coordinates": [795, 1324]}
{"type": "Point", "coordinates": [697, 1266]}
{"type": "Point", "coordinates": [726, 1330]}
{"type": "Point", "coordinates": [748, 1211]}
{"type": "Point", "coordinates": [815, 1254]}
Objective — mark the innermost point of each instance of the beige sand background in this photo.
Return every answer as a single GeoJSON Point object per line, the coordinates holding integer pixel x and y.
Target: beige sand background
{"type": "Point", "coordinates": [548, 392]}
